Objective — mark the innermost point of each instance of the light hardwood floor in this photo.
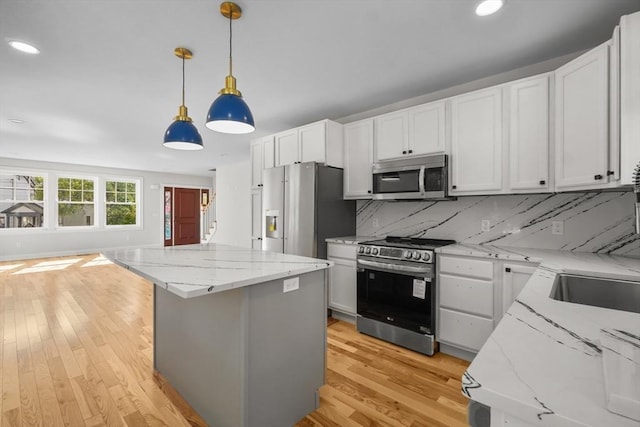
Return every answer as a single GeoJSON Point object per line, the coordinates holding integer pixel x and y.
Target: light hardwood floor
{"type": "Point", "coordinates": [76, 350]}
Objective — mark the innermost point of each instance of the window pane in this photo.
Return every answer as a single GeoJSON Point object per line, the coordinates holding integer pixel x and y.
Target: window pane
{"type": "Point", "coordinates": [121, 198]}
{"type": "Point", "coordinates": [87, 196]}
{"type": "Point", "coordinates": [110, 186]}
{"type": "Point", "coordinates": [87, 184]}
{"type": "Point", "coordinates": [131, 187]}
{"type": "Point", "coordinates": [121, 214]}
{"type": "Point", "coordinates": [63, 183]}
{"type": "Point", "coordinates": [64, 195]}
{"type": "Point", "coordinates": [21, 214]}
{"type": "Point", "coordinates": [111, 197]}
{"type": "Point", "coordinates": [76, 196]}
{"type": "Point", "coordinates": [76, 184]}
{"type": "Point", "coordinates": [131, 197]}
{"type": "Point", "coordinates": [75, 214]}
{"type": "Point", "coordinates": [122, 186]}
{"type": "Point", "coordinates": [6, 194]}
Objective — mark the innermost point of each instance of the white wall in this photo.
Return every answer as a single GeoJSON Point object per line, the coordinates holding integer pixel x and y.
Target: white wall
{"type": "Point", "coordinates": [233, 205]}
{"type": "Point", "coordinates": [37, 242]}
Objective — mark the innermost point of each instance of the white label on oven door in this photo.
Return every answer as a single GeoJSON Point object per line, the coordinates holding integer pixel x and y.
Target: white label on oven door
{"type": "Point", "coordinates": [419, 288]}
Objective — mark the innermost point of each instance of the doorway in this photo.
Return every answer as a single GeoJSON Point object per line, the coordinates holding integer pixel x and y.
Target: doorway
{"type": "Point", "coordinates": [182, 215]}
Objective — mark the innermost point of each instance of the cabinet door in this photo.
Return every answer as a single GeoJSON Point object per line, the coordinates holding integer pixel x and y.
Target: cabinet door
{"type": "Point", "coordinates": [342, 286]}
{"type": "Point", "coordinates": [392, 136]}
{"type": "Point", "coordinates": [426, 129]}
{"type": "Point", "coordinates": [313, 142]}
{"type": "Point", "coordinates": [256, 219]}
{"type": "Point", "coordinates": [287, 147]}
{"type": "Point", "coordinates": [358, 156]}
{"type": "Point", "coordinates": [514, 277]}
{"type": "Point", "coordinates": [476, 142]}
{"type": "Point", "coordinates": [529, 134]}
{"type": "Point", "coordinates": [582, 134]}
{"type": "Point", "coordinates": [256, 164]}
{"type": "Point", "coordinates": [268, 152]}
{"type": "Point", "coordinates": [629, 95]}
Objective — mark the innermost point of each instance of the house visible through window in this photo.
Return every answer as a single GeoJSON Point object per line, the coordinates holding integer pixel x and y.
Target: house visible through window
{"type": "Point", "coordinates": [21, 201]}
{"type": "Point", "coordinates": [121, 202]}
{"type": "Point", "coordinates": [76, 202]}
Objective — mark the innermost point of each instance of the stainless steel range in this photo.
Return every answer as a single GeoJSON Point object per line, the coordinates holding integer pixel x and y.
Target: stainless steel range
{"type": "Point", "coordinates": [397, 291]}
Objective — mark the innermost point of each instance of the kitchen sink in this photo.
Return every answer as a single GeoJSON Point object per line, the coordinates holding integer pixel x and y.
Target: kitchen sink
{"type": "Point", "coordinates": [606, 293]}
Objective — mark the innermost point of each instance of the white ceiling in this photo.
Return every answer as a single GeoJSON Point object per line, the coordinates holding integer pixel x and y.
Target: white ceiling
{"type": "Point", "coordinates": [107, 85]}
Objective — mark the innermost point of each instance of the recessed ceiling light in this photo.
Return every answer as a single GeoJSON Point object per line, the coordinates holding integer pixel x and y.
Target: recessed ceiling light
{"type": "Point", "coordinates": [16, 121]}
{"type": "Point", "coordinates": [488, 7]}
{"type": "Point", "coordinates": [24, 47]}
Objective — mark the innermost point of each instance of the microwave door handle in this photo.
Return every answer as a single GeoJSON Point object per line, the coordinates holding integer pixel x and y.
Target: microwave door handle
{"type": "Point", "coordinates": [421, 179]}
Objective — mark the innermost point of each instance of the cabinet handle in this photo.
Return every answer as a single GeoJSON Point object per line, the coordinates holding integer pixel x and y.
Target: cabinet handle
{"type": "Point", "coordinates": [454, 187]}
{"type": "Point", "coordinates": [543, 182]}
{"type": "Point", "coordinates": [369, 191]}
{"type": "Point", "coordinates": [410, 151]}
{"type": "Point", "coordinates": [259, 238]}
{"type": "Point", "coordinates": [597, 177]}
{"type": "Point", "coordinates": [404, 152]}
{"type": "Point", "coordinates": [609, 173]}
{"type": "Point", "coordinates": [507, 269]}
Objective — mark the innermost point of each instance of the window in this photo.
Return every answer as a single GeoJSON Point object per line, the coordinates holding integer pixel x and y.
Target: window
{"type": "Point", "coordinates": [21, 201]}
{"type": "Point", "coordinates": [121, 199]}
{"type": "Point", "coordinates": [75, 202]}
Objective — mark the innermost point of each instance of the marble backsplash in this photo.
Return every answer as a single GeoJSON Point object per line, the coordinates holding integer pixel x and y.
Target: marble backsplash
{"type": "Point", "coordinates": [601, 222]}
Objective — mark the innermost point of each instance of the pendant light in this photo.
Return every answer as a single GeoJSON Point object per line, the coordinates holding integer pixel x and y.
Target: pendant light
{"type": "Point", "coordinates": [182, 134]}
{"type": "Point", "coordinates": [229, 113]}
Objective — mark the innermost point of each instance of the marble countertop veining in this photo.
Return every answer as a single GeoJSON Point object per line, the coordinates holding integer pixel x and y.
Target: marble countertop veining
{"type": "Point", "coordinates": [194, 270]}
{"type": "Point", "coordinates": [349, 240]}
{"type": "Point", "coordinates": [544, 361]}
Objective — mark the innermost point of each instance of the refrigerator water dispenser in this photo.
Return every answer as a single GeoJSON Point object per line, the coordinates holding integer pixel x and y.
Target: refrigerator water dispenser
{"type": "Point", "coordinates": [272, 226]}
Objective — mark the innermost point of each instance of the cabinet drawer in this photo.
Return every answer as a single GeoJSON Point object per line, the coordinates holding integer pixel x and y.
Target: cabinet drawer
{"type": "Point", "coordinates": [463, 329]}
{"type": "Point", "coordinates": [467, 267]}
{"type": "Point", "coordinates": [341, 250]}
{"type": "Point", "coordinates": [470, 295]}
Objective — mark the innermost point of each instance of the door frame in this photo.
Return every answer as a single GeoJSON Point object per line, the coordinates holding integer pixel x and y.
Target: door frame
{"type": "Point", "coordinates": [171, 188]}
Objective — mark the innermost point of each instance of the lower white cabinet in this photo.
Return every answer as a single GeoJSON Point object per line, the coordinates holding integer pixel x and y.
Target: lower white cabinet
{"type": "Point", "coordinates": [464, 330]}
{"type": "Point", "coordinates": [342, 277]}
{"type": "Point", "coordinates": [514, 277]}
{"type": "Point", "coordinates": [256, 219]}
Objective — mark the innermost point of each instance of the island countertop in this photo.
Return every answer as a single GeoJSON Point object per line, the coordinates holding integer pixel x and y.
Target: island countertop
{"type": "Point", "coordinates": [544, 361]}
{"type": "Point", "coordinates": [194, 270]}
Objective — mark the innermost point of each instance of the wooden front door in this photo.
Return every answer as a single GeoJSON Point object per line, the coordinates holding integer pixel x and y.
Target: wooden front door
{"type": "Point", "coordinates": [186, 218]}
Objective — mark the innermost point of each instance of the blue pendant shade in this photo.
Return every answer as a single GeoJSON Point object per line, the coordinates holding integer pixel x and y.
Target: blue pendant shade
{"type": "Point", "coordinates": [230, 114]}
{"type": "Point", "coordinates": [182, 135]}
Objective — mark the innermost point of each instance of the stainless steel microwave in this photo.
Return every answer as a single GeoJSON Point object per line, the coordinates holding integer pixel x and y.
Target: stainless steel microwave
{"type": "Point", "coordinates": [415, 178]}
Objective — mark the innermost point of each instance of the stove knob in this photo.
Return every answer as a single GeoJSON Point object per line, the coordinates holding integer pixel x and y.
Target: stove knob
{"type": "Point", "coordinates": [416, 255]}
{"type": "Point", "coordinates": [426, 256]}
{"type": "Point", "coordinates": [407, 254]}
{"type": "Point", "coordinates": [375, 251]}
{"type": "Point", "coordinates": [361, 249]}
{"type": "Point", "coordinates": [368, 251]}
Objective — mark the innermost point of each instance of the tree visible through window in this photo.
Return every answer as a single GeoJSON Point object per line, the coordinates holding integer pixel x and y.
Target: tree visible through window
{"type": "Point", "coordinates": [121, 202]}
{"type": "Point", "coordinates": [21, 201]}
{"type": "Point", "coordinates": [75, 202]}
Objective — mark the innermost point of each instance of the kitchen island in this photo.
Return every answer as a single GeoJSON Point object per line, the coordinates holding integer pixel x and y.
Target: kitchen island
{"type": "Point", "coordinates": [543, 364]}
{"type": "Point", "coordinates": [240, 333]}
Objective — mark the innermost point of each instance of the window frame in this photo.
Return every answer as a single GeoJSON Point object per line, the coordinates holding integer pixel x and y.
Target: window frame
{"type": "Point", "coordinates": [138, 204]}
{"type": "Point", "coordinates": [96, 204]}
{"type": "Point", "coordinates": [46, 214]}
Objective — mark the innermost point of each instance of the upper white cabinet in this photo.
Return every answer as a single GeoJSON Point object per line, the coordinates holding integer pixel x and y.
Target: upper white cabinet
{"type": "Point", "coordinates": [476, 142]}
{"type": "Point", "coordinates": [319, 142]}
{"type": "Point", "coordinates": [256, 164]}
{"type": "Point", "coordinates": [529, 134]}
{"type": "Point", "coordinates": [358, 158]}
{"type": "Point", "coordinates": [268, 152]}
{"type": "Point", "coordinates": [582, 131]}
{"type": "Point", "coordinates": [629, 95]}
{"type": "Point", "coordinates": [411, 132]}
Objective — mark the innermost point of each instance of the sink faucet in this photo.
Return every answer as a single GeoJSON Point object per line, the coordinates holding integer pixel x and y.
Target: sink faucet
{"type": "Point", "coordinates": [636, 189]}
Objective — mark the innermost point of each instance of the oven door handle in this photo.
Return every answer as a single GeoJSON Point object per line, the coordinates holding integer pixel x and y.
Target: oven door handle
{"type": "Point", "coordinates": [421, 179]}
{"type": "Point", "coordinates": [396, 268]}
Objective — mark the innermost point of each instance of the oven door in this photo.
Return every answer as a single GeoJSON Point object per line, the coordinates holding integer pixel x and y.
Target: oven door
{"type": "Point", "coordinates": [399, 293]}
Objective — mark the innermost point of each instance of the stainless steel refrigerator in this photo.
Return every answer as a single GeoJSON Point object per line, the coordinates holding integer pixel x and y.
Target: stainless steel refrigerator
{"type": "Point", "coordinates": [302, 206]}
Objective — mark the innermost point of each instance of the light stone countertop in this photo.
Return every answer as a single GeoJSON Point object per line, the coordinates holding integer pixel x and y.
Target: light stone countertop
{"type": "Point", "coordinates": [194, 270]}
{"type": "Point", "coordinates": [544, 361]}
{"type": "Point", "coordinates": [349, 240]}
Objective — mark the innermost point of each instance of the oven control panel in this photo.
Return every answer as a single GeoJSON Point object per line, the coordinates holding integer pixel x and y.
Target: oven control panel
{"type": "Point", "coordinates": [415, 255]}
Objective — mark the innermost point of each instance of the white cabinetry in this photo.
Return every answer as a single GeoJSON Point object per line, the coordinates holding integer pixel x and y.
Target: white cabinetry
{"type": "Point", "coordinates": [342, 278]}
{"type": "Point", "coordinates": [529, 134]}
{"type": "Point", "coordinates": [319, 142]}
{"type": "Point", "coordinates": [268, 152]}
{"type": "Point", "coordinates": [514, 277]}
{"type": "Point", "coordinates": [256, 219]}
{"type": "Point", "coordinates": [582, 118]}
{"type": "Point", "coordinates": [476, 142]}
{"type": "Point", "coordinates": [411, 132]}
{"type": "Point", "coordinates": [629, 95]}
{"type": "Point", "coordinates": [358, 158]}
{"type": "Point", "coordinates": [465, 302]}
{"type": "Point", "coordinates": [256, 164]}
